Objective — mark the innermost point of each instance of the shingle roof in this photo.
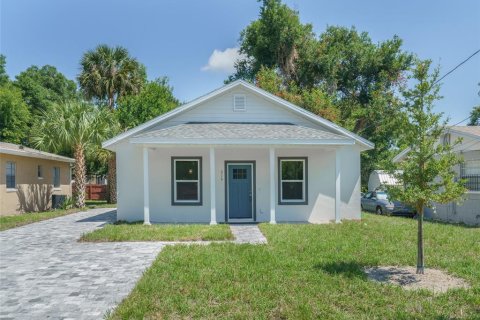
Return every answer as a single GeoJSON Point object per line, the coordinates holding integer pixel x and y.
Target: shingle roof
{"type": "Point", "coordinates": [255, 132]}
{"type": "Point", "coordinates": [475, 130]}
{"type": "Point", "coordinates": [19, 150]}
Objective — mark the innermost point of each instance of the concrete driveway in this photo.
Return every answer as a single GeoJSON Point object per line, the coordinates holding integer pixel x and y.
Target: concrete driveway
{"type": "Point", "coordinates": [46, 274]}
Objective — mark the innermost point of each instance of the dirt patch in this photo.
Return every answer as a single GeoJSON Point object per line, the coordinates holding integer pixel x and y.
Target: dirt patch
{"type": "Point", "coordinates": [434, 280]}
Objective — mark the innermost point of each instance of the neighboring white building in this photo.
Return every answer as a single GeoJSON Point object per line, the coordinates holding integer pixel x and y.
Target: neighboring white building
{"type": "Point", "coordinates": [468, 210]}
{"type": "Point", "coordinates": [381, 178]}
{"type": "Point", "coordinates": [238, 154]}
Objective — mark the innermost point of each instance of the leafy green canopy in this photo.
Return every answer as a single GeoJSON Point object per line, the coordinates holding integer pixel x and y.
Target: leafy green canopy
{"type": "Point", "coordinates": [14, 115]}
{"type": "Point", "coordinates": [340, 75]}
{"type": "Point", "coordinates": [153, 100]}
{"type": "Point", "coordinates": [475, 117]}
{"type": "Point", "coordinates": [109, 73]}
{"type": "Point", "coordinates": [43, 86]}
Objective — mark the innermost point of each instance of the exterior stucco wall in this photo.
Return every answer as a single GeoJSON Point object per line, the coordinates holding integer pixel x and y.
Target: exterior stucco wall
{"type": "Point", "coordinates": [31, 193]}
{"type": "Point", "coordinates": [321, 183]}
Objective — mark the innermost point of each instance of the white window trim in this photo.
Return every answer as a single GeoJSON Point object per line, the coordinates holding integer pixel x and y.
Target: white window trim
{"type": "Point", "coordinates": [198, 181]}
{"type": "Point", "coordinates": [281, 181]}
{"type": "Point", "coordinates": [235, 108]}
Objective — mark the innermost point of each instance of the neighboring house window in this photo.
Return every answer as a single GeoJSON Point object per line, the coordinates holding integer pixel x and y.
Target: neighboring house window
{"type": "Point", "coordinates": [186, 179]}
{"type": "Point", "coordinates": [10, 174]}
{"type": "Point", "coordinates": [446, 139]}
{"type": "Point", "coordinates": [56, 177]}
{"type": "Point", "coordinates": [470, 171]}
{"type": "Point", "coordinates": [39, 172]}
{"type": "Point", "coordinates": [292, 173]}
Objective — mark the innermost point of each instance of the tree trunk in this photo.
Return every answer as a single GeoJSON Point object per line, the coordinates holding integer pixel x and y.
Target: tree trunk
{"type": "Point", "coordinates": [80, 174]}
{"type": "Point", "coordinates": [112, 178]}
{"type": "Point", "coordinates": [420, 259]}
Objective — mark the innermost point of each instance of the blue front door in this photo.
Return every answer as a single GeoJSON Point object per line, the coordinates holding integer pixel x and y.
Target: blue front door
{"type": "Point", "coordinates": [240, 196]}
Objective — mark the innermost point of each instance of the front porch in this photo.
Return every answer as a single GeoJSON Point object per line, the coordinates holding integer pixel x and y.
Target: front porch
{"type": "Point", "coordinates": [230, 166]}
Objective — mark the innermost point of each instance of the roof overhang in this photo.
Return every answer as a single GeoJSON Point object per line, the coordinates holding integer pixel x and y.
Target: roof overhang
{"type": "Point", "coordinates": [39, 155]}
{"type": "Point", "coordinates": [262, 142]}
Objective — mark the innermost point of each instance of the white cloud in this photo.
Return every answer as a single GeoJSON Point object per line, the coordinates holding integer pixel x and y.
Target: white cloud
{"type": "Point", "coordinates": [223, 60]}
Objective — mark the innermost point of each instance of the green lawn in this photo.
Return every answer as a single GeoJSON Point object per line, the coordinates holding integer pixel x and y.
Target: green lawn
{"type": "Point", "coordinates": [8, 222]}
{"type": "Point", "coordinates": [159, 232]}
{"type": "Point", "coordinates": [309, 271]}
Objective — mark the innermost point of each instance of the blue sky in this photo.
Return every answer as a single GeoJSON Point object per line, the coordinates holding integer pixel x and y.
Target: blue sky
{"type": "Point", "coordinates": [177, 38]}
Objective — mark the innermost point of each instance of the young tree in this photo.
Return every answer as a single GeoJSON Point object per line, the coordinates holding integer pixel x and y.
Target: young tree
{"type": "Point", "coordinates": [427, 171]}
{"type": "Point", "coordinates": [73, 126]}
{"type": "Point", "coordinates": [108, 74]}
{"type": "Point", "coordinates": [475, 117]}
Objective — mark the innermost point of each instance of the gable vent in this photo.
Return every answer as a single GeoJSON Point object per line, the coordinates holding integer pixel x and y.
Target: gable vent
{"type": "Point", "coordinates": [239, 102]}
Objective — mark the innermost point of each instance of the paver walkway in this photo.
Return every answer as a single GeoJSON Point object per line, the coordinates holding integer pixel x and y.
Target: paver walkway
{"type": "Point", "coordinates": [247, 233]}
{"type": "Point", "coordinates": [46, 274]}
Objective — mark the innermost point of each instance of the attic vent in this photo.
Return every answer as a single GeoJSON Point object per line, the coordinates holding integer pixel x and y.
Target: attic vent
{"type": "Point", "coordinates": [239, 102]}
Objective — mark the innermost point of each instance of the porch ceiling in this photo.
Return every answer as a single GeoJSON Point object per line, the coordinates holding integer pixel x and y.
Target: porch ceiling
{"type": "Point", "coordinates": [240, 133]}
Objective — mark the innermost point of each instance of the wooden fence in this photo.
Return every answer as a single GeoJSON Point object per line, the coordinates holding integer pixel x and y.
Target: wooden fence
{"type": "Point", "coordinates": [96, 192]}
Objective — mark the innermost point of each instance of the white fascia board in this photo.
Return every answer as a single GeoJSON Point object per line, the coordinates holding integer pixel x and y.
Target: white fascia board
{"type": "Point", "coordinates": [37, 156]}
{"type": "Point", "coordinates": [241, 142]}
{"type": "Point", "coordinates": [367, 144]}
{"type": "Point", "coordinates": [399, 157]}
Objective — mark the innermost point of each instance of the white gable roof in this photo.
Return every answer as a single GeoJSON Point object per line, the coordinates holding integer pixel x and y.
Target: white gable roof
{"type": "Point", "coordinates": [239, 83]}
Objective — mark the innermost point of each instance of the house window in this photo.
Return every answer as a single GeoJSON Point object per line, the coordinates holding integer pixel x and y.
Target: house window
{"type": "Point", "coordinates": [56, 177]}
{"type": "Point", "coordinates": [10, 174]}
{"type": "Point", "coordinates": [39, 172]}
{"type": "Point", "coordinates": [470, 171]}
{"type": "Point", "coordinates": [186, 179]}
{"type": "Point", "coordinates": [292, 173]}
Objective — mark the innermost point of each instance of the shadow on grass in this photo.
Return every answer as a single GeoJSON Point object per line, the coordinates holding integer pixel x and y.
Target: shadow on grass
{"type": "Point", "coordinates": [349, 269]}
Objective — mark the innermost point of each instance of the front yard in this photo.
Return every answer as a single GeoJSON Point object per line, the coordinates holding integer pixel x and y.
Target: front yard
{"type": "Point", "coordinates": [309, 271]}
{"type": "Point", "coordinates": [159, 232]}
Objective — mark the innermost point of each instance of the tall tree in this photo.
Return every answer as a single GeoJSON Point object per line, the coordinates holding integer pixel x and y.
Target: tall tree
{"type": "Point", "coordinates": [44, 86]}
{"type": "Point", "coordinates": [3, 70]}
{"type": "Point", "coordinates": [275, 40]}
{"type": "Point", "coordinates": [14, 115]}
{"type": "Point", "coordinates": [108, 74]}
{"type": "Point", "coordinates": [360, 78]}
{"type": "Point", "coordinates": [427, 172]}
{"type": "Point", "coordinates": [154, 99]}
{"type": "Point", "coordinates": [73, 126]}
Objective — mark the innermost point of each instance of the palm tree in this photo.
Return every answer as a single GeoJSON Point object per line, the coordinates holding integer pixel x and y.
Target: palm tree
{"type": "Point", "coordinates": [107, 74]}
{"type": "Point", "coordinates": [73, 126]}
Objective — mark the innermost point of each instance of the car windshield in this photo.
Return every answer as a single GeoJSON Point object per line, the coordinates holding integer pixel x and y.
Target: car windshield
{"type": "Point", "coordinates": [382, 196]}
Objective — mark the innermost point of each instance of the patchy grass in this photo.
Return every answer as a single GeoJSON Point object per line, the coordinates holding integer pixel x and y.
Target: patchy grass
{"type": "Point", "coordinates": [137, 231]}
{"type": "Point", "coordinates": [8, 222]}
{"type": "Point", "coordinates": [309, 271]}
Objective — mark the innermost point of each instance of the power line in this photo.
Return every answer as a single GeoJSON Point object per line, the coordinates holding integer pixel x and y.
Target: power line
{"type": "Point", "coordinates": [437, 81]}
{"type": "Point", "coordinates": [457, 66]}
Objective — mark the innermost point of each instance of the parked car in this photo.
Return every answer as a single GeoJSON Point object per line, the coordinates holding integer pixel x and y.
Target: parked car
{"type": "Point", "coordinates": [378, 202]}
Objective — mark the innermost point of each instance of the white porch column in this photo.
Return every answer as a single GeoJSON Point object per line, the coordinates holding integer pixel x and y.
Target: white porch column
{"type": "Point", "coordinates": [337, 187]}
{"type": "Point", "coordinates": [146, 189]}
{"type": "Point", "coordinates": [272, 186]}
{"type": "Point", "coordinates": [213, 206]}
